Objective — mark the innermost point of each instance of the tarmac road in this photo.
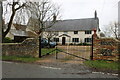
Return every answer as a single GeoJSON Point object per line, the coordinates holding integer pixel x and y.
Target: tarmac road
{"type": "Point", "coordinates": [25, 70]}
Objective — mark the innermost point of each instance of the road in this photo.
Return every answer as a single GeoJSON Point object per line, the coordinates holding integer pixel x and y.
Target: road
{"type": "Point", "coordinates": [25, 70]}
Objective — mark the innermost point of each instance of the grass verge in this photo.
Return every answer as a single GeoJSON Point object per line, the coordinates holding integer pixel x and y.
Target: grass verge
{"type": "Point", "coordinates": [19, 58]}
{"type": "Point", "coordinates": [100, 64]}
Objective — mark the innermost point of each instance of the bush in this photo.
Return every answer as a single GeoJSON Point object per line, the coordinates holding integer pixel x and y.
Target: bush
{"type": "Point", "coordinates": [7, 40]}
{"type": "Point", "coordinates": [84, 44]}
{"type": "Point", "coordinates": [71, 43]}
{"type": "Point", "coordinates": [80, 44]}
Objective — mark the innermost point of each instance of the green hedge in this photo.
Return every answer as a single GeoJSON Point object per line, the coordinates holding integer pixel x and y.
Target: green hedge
{"type": "Point", "coordinates": [7, 40]}
{"type": "Point", "coordinates": [81, 44]}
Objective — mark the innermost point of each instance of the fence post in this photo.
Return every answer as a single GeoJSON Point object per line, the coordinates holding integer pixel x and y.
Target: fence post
{"type": "Point", "coordinates": [56, 53]}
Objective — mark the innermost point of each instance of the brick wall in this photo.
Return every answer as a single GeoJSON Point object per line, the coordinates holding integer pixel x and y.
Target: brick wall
{"type": "Point", "coordinates": [105, 48]}
{"type": "Point", "coordinates": [29, 47]}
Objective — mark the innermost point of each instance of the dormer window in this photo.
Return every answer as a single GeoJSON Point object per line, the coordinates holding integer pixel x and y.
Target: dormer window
{"type": "Point", "coordinates": [75, 32]}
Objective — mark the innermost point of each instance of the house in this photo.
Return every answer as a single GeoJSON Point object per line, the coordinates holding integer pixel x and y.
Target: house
{"type": "Point", "coordinates": [74, 31]}
{"type": "Point", "coordinates": [18, 33]}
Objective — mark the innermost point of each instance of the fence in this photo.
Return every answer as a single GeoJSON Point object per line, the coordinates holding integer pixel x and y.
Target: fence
{"type": "Point", "coordinates": [105, 48]}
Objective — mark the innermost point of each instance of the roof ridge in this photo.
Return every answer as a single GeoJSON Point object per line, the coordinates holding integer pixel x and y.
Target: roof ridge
{"type": "Point", "coordinates": [76, 19]}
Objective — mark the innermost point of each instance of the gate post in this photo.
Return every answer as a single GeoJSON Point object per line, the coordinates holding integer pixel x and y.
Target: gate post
{"type": "Point", "coordinates": [94, 36]}
{"type": "Point", "coordinates": [56, 53]}
{"type": "Point", "coordinates": [91, 55]}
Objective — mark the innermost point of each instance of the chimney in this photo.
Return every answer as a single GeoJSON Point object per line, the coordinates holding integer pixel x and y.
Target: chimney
{"type": "Point", "coordinates": [95, 14]}
{"type": "Point", "coordinates": [54, 17]}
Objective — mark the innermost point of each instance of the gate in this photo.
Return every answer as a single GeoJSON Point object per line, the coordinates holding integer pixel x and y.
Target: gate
{"type": "Point", "coordinates": [73, 52]}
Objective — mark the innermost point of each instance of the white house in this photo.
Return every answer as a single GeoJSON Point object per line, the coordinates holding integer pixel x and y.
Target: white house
{"type": "Point", "coordinates": [63, 31]}
{"type": "Point", "coordinates": [18, 32]}
{"type": "Point", "coordinates": [74, 30]}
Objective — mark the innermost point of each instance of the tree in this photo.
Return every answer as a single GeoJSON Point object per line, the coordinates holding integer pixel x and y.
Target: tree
{"type": "Point", "coordinates": [50, 34]}
{"type": "Point", "coordinates": [111, 30]}
{"type": "Point", "coordinates": [13, 6]}
{"type": "Point", "coordinates": [43, 16]}
{"type": "Point", "coordinates": [114, 29]}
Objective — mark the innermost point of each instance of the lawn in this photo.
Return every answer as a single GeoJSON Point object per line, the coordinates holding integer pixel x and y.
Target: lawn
{"type": "Point", "coordinates": [100, 64]}
{"type": "Point", "coordinates": [44, 51]}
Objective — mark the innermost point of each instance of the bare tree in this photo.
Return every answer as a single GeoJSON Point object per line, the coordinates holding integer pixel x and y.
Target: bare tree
{"type": "Point", "coordinates": [13, 6]}
{"type": "Point", "coordinates": [111, 30]}
{"type": "Point", "coordinates": [43, 16]}
{"type": "Point", "coordinates": [50, 34]}
{"type": "Point", "coordinates": [114, 29]}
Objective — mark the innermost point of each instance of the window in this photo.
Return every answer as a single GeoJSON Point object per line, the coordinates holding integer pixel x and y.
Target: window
{"type": "Point", "coordinates": [56, 39]}
{"type": "Point", "coordinates": [75, 32]}
{"type": "Point", "coordinates": [88, 40]}
{"type": "Point", "coordinates": [75, 40]}
{"type": "Point", "coordinates": [88, 32]}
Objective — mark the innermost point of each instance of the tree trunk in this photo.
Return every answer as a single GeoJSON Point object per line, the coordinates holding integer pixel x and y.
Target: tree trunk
{"type": "Point", "coordinates": [9, 26]}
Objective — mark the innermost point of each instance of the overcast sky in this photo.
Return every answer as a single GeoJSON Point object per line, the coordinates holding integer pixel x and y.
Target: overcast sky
{"type": "Point", "coordinates": [107, 10]}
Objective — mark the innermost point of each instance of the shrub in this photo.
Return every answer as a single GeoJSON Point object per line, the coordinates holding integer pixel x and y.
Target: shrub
{"type": "Point", "coordinates": [80, 44]}
{"type": "Point", "coordinates": [84, 44]}
{"type": "Point", "coordinates": [71, 43]}
{"type": "Point", "coordinates": [7, 40]}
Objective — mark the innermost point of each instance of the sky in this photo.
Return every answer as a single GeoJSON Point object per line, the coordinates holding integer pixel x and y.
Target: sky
{"type": "Point", "coordinates": [107, 10]}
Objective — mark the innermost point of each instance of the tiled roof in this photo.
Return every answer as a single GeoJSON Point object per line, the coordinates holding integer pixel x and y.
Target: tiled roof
{"type": "Point", "coordinates": [75, 25]}
{"type": "Point", "coordinates": [23, 33]}
{"type": "Point", "coordinates": [20, 27]}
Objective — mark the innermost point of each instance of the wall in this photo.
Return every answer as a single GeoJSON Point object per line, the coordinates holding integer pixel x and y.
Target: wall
{"type": "Point", "coordinates": [105, 48]}
{"type": "Point", "coordinates": [81, 35]}
{"type": "Point", "coordinates": [29, 47]}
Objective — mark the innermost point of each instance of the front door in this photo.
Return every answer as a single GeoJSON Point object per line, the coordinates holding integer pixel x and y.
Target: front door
{"type": "Point", "coordinates": [63, 40]}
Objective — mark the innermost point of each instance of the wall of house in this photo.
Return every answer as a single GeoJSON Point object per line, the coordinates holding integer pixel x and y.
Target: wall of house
{"type": "Point", "coordinates": [105, 48]}
{"type": "Point", "coordinates": [29, 47]}
{"type": "Point", "coordinates": [81, 35]}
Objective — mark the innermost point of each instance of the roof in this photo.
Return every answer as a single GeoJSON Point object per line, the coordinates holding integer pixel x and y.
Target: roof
{"type": "Point", "coordinates": [64, 35]}
{"type": "Point", "coordinates": [75, 25]}
{"type": "Point", "coordinates": [16, 26]}
{"type": "Point", "coordinates": [20, 27]}
{"type": "Point", "coordinates": [22, 33]}
{"type": "Point", "coordinates": [18, 33]}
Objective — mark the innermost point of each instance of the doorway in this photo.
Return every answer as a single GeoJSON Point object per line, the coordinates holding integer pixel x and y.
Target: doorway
{"type": "Point", "coordinates": [63, 40]}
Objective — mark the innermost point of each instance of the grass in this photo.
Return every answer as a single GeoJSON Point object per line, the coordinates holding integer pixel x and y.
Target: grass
{"type": "Point", "coordinates": [19, 58]}
{"type": "Point", "coordinates": [44, 51]}
{"type": "Point", "coordinates": [100, 64]}
{"type": "Point", "coordinates": [47, 50]}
